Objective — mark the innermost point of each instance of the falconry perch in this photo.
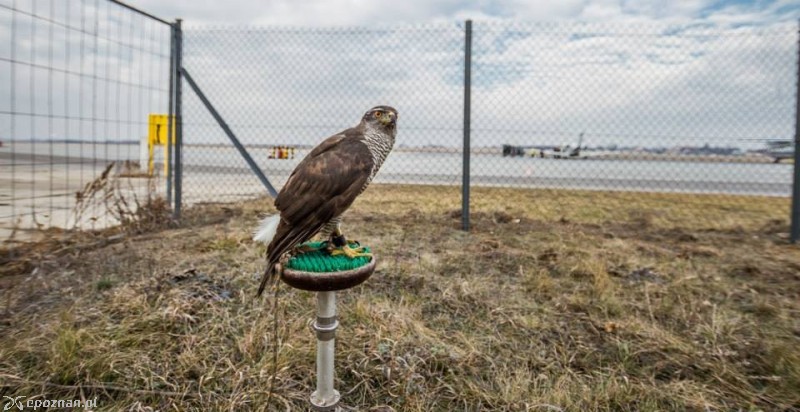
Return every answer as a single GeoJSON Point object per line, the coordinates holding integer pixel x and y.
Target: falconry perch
{"type": "Point", "coordinates": [324, 185]}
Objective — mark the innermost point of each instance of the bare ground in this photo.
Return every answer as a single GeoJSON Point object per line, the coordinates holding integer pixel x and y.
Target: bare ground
{"type": "Point", "coordinates": [557, 300]}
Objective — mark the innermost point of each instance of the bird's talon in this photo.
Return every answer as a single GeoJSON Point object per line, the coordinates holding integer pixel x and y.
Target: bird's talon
{"type": "Point", "coordinates": [350, 252]}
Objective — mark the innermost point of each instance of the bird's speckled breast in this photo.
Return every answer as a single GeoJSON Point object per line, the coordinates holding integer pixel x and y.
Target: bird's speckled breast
{"type": "Point", "coordinates": [380, 144]}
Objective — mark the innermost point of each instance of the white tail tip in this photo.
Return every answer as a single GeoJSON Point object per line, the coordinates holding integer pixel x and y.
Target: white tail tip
{"type": "Point", "coordinates": [266, 230]}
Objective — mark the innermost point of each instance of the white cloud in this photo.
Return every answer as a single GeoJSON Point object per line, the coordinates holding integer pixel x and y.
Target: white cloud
{"type": "Point", "coordinates": [542, 10]}
{"type": "Point", "coordinates": [662, 9]}
{"type": "Point", "coordinates": [380, 12]}
{"type": "Point", "coordinates": [305, 13]}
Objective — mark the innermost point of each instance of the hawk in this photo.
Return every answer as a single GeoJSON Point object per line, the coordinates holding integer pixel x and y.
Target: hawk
{"type": "Point", "coordinates": [324, 185]}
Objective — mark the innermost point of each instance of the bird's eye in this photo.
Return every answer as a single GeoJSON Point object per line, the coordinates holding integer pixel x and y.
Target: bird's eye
{"type": "Point", "coordinates": [378, 114]}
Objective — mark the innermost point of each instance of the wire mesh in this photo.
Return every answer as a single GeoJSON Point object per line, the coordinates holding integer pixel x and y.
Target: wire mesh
{"type": "Point", "coordinates": [282, 91]}
{"type": "Point", "coordinates": [78, 79]}
{"type": "Point", "coordinates": [652, 108]}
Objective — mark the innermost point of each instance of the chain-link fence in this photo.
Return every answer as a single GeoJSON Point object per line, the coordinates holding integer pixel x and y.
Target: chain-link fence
{"type": "Point", "coordinates": [652, 108]}
{"type": "Point", "coordinates": [643, 107]}
{"type": "Point", "coordinates": [282, 91]}
{"type": "Point", "coordinates": [649, 108]}
{"type": "Point", "coordinates": [78, 80]}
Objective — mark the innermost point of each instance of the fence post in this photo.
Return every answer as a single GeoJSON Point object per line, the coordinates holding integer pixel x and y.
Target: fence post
{"type": "Point", "coordinates": [170, 112]}
{"type": "Point", "coordinates": [465, 173]}
{"type": "Point", "coordinates": [794, 234]}
{"type": "Point", "coordinates": [178, 121]}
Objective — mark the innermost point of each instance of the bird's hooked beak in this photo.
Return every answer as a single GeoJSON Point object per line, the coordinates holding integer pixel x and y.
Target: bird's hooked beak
{"type": "Point", "coordinates": [389, 119]}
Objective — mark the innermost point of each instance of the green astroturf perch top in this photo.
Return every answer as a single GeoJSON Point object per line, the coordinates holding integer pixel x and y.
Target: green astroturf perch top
{"type": "Point", "coordinates": [320, 261]}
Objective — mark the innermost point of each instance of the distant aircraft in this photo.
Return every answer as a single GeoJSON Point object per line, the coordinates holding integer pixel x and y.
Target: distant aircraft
{"type": "Point", "coordinates": [560, 152]}
{"type": "Point", "coordinates": [566, 151]}
{"type": "Point", "coordinates": [779, 149]}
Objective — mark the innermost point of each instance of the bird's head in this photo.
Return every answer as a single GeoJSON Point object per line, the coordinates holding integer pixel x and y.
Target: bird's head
{"type": "Point", "coordinates": [381, 118]}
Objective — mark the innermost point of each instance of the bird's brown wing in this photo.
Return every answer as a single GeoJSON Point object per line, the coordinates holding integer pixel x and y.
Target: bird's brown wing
{"type": "Point", "coordinates": [320, 188]}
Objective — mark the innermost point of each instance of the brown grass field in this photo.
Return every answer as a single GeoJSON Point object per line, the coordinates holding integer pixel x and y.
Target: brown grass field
{"type": "Point", "coordinates": [556, 301]}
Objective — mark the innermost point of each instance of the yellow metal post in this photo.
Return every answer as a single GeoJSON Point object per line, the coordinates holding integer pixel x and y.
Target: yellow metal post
{"type": "Point", "coordinates": [157, 135]}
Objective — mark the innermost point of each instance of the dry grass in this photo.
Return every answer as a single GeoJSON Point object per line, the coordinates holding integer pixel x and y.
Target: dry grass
{"type": "Point", "coordinates": [556, 301]}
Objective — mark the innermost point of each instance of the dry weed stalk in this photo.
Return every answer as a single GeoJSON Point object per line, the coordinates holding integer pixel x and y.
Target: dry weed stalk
{"type": "Point", "coordinates": [113, 192]}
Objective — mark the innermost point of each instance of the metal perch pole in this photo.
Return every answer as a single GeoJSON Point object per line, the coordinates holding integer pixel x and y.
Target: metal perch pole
{"type": "Point", "coordinates": [325, 398]}
{"type": "Point", "coordinates": [318, 272]}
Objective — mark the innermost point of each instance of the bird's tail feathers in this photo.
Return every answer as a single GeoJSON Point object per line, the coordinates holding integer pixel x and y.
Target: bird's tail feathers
{"type": "Point", "coordinates": [281, 239]}
{"type": "Point", "coordinates": [266, 230]}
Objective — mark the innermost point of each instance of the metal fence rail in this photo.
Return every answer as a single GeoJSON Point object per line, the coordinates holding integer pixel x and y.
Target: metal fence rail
{"type": "Point", "coordinates": [78, 79]}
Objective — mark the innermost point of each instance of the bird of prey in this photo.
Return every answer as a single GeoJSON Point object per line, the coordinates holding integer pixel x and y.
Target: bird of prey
{"type": "Point", "coordinates": [324, 184]}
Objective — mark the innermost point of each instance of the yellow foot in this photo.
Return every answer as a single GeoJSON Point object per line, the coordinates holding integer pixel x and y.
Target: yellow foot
{"type": "Point", "coordinates": [352, 253]}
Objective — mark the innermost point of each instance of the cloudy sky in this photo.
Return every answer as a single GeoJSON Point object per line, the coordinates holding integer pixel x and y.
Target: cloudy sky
{"type": "Point", "coordinates": [650, 73]}
{"type": "Point", "coordinates": [314, 13]}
